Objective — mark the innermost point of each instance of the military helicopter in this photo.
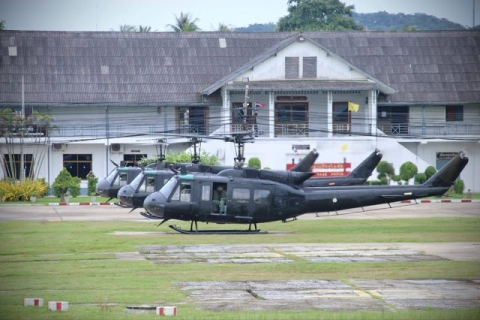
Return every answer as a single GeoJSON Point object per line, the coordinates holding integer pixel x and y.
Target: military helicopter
{"type": "Point", "coordinates": [148, 181]}
{"type": "Point", "coordinates": [117, 178]}
{"type": "Point", "coordinates": [257, 196]}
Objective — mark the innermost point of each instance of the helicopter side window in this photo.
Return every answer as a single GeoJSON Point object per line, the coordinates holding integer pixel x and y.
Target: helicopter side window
{"type": "Point", "coordinates": [241, 195]}
{"type": "Point", "coordinates": [261, 196]}
{"type": "Point", "coordinates": [205, 193]}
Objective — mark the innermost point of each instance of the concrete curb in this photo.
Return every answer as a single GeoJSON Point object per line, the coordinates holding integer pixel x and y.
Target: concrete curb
{"type": "Point", "coordinates": [81, 204]}
{"type": "Point", "coordinates": [442, 201]}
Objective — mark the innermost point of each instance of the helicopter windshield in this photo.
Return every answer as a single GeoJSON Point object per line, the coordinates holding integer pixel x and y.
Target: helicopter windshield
{"type": "Point", "coordinates": [168, 188]}
{"type": "Point", "coordinates": [136, 182]}
{"type": "Point", "coordinates": [111, 176]}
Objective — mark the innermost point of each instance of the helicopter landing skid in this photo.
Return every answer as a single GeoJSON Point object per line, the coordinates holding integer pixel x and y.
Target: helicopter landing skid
{"type": "Point", "coordinates": [255, 231]}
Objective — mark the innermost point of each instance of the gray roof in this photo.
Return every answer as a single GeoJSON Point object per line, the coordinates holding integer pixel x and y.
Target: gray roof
{"type": "Point", "coordinates": [175, 68]}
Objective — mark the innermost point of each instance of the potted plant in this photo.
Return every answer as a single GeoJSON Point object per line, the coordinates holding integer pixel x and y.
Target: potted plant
{"type": "Point", "coordinates": [33, 197]}
{"type": "Point", "coordinates": [93, 197]}
{"type": "Point", "coordinates": [67, 197]}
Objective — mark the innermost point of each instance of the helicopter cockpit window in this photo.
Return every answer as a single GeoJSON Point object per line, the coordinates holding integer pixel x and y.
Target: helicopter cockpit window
{"type": "Point", "coordinates": [261, 196]}
{"type": "Point", "coordinates": [121, 179]}
{"type": "Point", "coordinates": [111, 176]}
{"type": "Point", "coordinates": [182, 193]}
{"type": "Point", "coordinates": [168, 188]}
{"type": "Point", "coordinates": [137, 181]}
{"type": "Point", "coordinates": [150, 184]}
{"type": "Point", "coordinates": [241, 195]}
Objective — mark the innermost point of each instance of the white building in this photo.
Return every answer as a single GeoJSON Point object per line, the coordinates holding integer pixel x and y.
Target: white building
{"type": "Point", "coordinates": [113, 94]}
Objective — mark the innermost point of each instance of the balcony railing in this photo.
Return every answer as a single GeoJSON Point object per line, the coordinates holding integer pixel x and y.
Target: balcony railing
{"type": "Point", "coordinates": [311, 130]}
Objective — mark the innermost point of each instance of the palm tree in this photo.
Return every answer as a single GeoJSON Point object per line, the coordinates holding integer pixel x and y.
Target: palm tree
{"type": "Point", "coordinates": [127, 28]}
{"type": "Point", "coordinates": [224, 27]}
{"type": "Point", "coordinates": [144, 29]}
{"type": "Point", "coordinates": [184, 23]}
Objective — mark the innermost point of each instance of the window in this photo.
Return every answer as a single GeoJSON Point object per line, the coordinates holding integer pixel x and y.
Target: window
{"type": "Point", "coordinates": [205, 193]}
{"type": "Point", "coordinates": [261, 196]}
{"type": "Point", "coordinates": [15, 163]}
{"type": "Point", "coordinates": [241, 195]}
{"type": "Point", "coordinates": [150, 184]}
{"type": "Point", "coordinates": [292, 67]}
{"type": "Point", "coordinates": [239, 116]}
{"type": "Point", "coordinates": [292, 112]}
{"type": "Point", "coordinates": [79, 165]}
{"type": "Point", "coordinates": [454, 113]}
{"type": "Point", "coordinates": [131, 160]}
{"type": "Point", "coordinates": [340, 112]}
{"type": "Point", "coordinates": [310, 67]}
{"type": "Point", "coordinates": [182, 193]}
{"type": "Point", "coordinates": [121, 179]}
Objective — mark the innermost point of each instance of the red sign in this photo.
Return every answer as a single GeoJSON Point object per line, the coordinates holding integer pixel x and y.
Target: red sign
{"type": "Point", "coordinates": [323, 170]}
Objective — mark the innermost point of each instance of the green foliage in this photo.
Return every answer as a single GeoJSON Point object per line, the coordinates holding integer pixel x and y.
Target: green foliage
{"type": "Point", "coordinates": [459, 186]}
{"type": "Point", "coordinates": [383, 21]}
{"type": "Point", "coordinates": [92, 181]}
{"type": "Point", "coordinates": [254, 162]}
{"type": "Point", "coordinates": [384, 181]}
{"type": "Point", "coordinates": [316, 15]}
{"type": "Point", "coordinates": [385, 170]}
{"type": "Point", "coordinates": [408, 170]}
{"type": "Point", "coordinates": [64, 183]}
{"type": "Point", "coordinates": [12, 190]}
{"type": "Point", "coordinates": [430, 171]}
{"type": "Point", "coordinates": [183, 157]}
{"type": "Point", "coordinates": [256, 27]}
{"type": "Point", "coordinates": [374, 182]}
{"type": "Point", "coordinates": [2, 24]}
{"type": "Point", "coordinates": [420, 178]}
{"type": "Point", "coordinates": [184, 23]}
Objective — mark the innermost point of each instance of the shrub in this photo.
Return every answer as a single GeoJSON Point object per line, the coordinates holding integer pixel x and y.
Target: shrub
{"type": "Point", "coordinates": [64, 183]}
{"type": "Point", "coordinates": [430, 171]}
{"type": "Point", "coordinates": [12, 190]}
{"type": "Point", "coordinates": [408, 170]}
{"type": "Point", "coordinates": [420, 178]}
{"type": "Point", "coordinates": [254, 163]}
{"type": "Point", "coordinates": [459, 186]}
{"type": "Point", "coordinates": [92, 181]}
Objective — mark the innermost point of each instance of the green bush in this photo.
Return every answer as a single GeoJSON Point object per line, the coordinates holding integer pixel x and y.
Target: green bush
{"type": "Point", "coordinates": [430, 171]}
{"type": "Point", "coordinates": [254, 163]}
{"type": "Point", "coordinates": [92, 181]}
{"type": "Point", "coordinates": [459, 186]}
{"type": "Point", "coordinates": [420, 178]}
{"type": "Point", "coordinates": [65, 183]}
{"type": "Point", "coordinates": [408, 170]}
{"type": "Point", "coordinates": [12, 190]}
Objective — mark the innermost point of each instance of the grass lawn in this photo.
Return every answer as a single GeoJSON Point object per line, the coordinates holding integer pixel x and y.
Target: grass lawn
{"type": "Point", "coordinates": [76, 262]}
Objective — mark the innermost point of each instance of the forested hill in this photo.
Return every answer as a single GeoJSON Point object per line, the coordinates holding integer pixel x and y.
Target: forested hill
{"type": "Point", "coordinates": [381, 21]}
{"type": "Point", "coordinates": [419, 21]}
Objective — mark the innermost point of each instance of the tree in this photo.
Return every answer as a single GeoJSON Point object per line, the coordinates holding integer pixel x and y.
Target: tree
{"type": "Point", "coordinates": [385, 170]}
{"type": "Point", "coordinates": [20, 133]}
{"type": "Point", "coordinates": [144, 28]}
{"type": "Point", "coordinates": [2, 24]}
{"type": "Point", "coordinates": [184, 23]}
{"type": "Point", "coordinates": [316, 15]}
{"type": "Point", "coordinates": [128, 28]}
{"type": "Point", "coordinates": [183, 157]}
{"type": "Point", "coordinates": [430, 171]}
{"type": "Point", "coordinates": [223, 27]}
{"type": "Point", "coordinates": [408, 170]}
{"type": "Point", "coordinates": [64, 183]}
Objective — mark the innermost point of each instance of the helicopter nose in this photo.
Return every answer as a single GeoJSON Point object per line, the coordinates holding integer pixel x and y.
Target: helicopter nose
{"type": "Point", "coordinates": [154, 204]}
{"type": "Point", "coordinates": [125, 195]}
{"type": "Point", "coordinates": [102, 188]}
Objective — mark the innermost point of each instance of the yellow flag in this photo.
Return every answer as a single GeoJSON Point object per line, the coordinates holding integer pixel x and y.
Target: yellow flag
{"type": "Point", "coordinates": [353, 106]}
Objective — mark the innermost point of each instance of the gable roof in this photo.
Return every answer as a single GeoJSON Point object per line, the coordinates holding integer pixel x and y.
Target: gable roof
{"type": "Point", "coordinates": [175, 68]}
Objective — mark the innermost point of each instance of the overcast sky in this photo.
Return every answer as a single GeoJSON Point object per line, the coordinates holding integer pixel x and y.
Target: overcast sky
{"type": "Point", "coordinates": [108, 15]}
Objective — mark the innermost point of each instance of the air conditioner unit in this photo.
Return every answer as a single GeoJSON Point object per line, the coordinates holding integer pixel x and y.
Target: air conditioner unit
{"type": "Point", "coordinates": [115, 147]}
{"type": "Point", "coordinates": [59, 146]}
